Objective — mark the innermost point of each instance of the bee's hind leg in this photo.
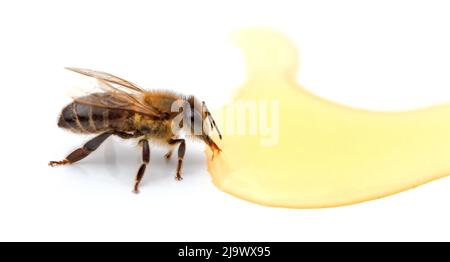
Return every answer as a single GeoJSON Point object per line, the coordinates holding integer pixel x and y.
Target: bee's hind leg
{"type": "Point", "coordinates": [145, 160]}
{"type": "Point", "coordinates": [125, 135]}
{"type": "Point", "coordinates": [82, 152]}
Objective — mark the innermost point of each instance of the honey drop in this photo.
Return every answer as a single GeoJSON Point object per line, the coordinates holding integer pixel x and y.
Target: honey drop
{"type": "Point", "coordinates": [324, 154]}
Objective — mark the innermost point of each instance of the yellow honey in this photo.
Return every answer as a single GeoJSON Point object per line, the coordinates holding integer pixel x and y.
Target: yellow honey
{"type": "Point", "coordinates": [324, 154]}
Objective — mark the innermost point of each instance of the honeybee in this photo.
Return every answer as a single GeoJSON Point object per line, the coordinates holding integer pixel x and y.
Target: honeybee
{"type": "Point", "coordinates": [126, 110]}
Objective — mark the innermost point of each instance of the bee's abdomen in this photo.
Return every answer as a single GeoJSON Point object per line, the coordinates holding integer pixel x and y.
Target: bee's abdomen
{"type": "Point", "coordinates": [90, 119]}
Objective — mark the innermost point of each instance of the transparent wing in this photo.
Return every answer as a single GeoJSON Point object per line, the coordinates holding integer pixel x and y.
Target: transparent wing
{"type": "Point", "coordinates": [117, 93]}
{"type": "Point", "coordinates": [106, 77]}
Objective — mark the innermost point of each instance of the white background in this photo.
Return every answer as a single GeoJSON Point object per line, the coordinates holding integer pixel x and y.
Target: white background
{"type": "Point", "coordinates": [385, 55]}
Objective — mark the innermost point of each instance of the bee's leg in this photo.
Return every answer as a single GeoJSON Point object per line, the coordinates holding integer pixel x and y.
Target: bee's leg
{"type": "Point", "coordinates": [84, 151]}
{"type": "Point", "coordinates": [145, 160]}
{"type": "Point", "coordinates": [125, 135]}
{"type": "Point", "coordinates": [181, 151]}
{"type": "Point", "coordinates": [168, 154]}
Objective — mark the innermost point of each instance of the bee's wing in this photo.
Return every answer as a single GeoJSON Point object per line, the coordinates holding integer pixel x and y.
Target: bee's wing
{"type": "Point", "coordinates": [117, 100]}
{"type": "Point", "coordinates": [106, 77]}
{"type": "Point", "coordinates": [118, 94]}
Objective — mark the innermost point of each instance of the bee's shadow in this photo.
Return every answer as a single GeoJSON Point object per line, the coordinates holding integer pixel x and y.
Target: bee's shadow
{"type": "Point", "coordinates": [120, 159]}
{"type": "Point", "coordinates": [123, 158]}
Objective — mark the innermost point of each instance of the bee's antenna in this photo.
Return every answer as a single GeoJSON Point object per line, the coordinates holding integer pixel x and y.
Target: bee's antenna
{"type": "Point", "coordinates": [211, 119]}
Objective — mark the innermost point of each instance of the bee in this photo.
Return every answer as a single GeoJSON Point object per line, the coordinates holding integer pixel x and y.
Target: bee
{"type": "Point", "coordinates": [124, 109]}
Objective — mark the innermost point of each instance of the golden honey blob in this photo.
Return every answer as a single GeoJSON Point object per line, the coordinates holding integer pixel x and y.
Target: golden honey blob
{"type": "Point", "coordinates": [324, 154]}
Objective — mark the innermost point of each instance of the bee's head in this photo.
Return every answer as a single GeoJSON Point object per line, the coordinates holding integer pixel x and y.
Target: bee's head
{"type": "Point", "coordinates": [198, 117]}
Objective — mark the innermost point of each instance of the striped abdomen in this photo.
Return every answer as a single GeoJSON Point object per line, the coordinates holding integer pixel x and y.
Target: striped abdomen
{"type": "Point", "coordinates": [90, 119]}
